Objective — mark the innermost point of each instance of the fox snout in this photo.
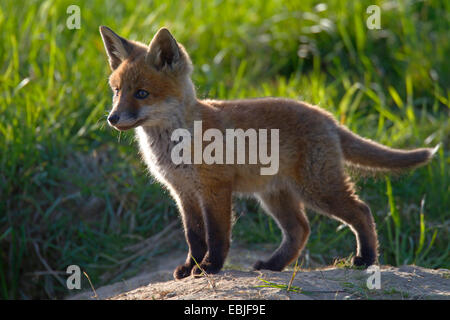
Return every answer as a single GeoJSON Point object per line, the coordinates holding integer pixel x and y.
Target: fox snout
{"type": "Point", "coordinates": [124, 120]}
{"type": "Point", "coordinates": [113, 118]}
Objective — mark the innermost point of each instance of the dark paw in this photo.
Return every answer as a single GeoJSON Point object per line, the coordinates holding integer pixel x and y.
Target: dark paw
{"type": "Point", "coordinates": [182, 271]}
{"type": "Point", "coordinates": [204, 267]}
{"type": "Point", "coordinates": [363, 262]}
{"type": "Point", "coordinates": [259, 265]}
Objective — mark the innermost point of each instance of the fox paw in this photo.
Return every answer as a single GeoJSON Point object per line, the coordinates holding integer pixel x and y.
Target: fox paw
{"type": "Point", "coordinates": [182, 271]}
{"type": "Point", "coordinates": [362, 261]}
{"type": "Point", "coordinates": [208, 268]}
{"type": "Point", "coordinates": [266, 265]}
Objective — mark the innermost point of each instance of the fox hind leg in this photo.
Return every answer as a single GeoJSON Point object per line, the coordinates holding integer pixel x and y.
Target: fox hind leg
{"type": "Point", "coordinates": [290, 216]}
{"type": "Point", "coordinates": [339, 201]}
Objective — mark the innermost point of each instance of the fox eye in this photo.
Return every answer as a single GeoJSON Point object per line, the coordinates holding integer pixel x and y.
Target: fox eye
{"type": "Point", "coordinates": [116, 91]}
{"type": "Point", "coordinates": [141, 94]}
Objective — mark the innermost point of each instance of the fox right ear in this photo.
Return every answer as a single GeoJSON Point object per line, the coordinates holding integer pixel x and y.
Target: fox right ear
{"type": "Point", "coordinates": [117, 48]}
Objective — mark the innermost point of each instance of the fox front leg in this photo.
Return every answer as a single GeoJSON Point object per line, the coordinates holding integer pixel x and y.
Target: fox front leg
{"type": "Point", "coordinates": [194, 232]}
{"type": "Point", "coordinates": [217, 220]}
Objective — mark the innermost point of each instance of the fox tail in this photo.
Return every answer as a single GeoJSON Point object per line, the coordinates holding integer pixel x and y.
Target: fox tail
{"type": "Point", "coordinates": [368, 154]}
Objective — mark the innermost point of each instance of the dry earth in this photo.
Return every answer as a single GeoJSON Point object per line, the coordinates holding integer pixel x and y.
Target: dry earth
{"type": "Point", "coordinates": [237, 281]}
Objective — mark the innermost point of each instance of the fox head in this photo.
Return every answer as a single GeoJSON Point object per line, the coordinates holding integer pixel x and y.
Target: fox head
{"type": "Point", "coordinates": [151, 84]}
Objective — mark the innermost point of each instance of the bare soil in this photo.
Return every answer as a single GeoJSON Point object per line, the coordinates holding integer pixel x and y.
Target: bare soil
{"type": "Point", "coordinates": [238, 281]}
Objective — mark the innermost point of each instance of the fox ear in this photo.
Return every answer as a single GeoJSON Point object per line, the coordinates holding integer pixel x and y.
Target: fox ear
{"type": "Point", "coordinates": [117, 48]}
{"type": "Point", "coordinates": [163, 50]}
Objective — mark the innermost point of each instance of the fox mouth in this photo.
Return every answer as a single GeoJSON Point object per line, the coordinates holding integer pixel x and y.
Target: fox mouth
{"type": "Point", "coordinates": [134, 125]}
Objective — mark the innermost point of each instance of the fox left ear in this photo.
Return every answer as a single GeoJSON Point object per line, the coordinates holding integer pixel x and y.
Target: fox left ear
{"type": "Point", "coordinates": [163, 50]}
{"type": "Point", "coordinates": [117, 48]}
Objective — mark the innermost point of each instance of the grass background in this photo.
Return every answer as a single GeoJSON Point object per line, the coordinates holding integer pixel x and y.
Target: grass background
{"type": "Point", "coordinates": [73, 191]}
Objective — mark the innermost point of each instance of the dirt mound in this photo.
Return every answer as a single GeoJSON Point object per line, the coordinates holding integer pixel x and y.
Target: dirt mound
{"type": "Point", "coordinates": [237, 281]}
{"type": "Point", "coordinates": [396, 283]}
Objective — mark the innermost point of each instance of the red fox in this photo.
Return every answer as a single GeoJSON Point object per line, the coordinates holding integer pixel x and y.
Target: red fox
{"type": "Point", "coordinates": [154, 94]}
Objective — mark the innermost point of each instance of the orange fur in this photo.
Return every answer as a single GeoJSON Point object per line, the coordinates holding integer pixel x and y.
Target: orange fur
{"type": "Point", "coordinates": [313, 151]}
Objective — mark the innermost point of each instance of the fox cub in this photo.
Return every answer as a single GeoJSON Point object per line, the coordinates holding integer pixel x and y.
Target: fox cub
{"type": "Point", "coordinates": [154, 94]}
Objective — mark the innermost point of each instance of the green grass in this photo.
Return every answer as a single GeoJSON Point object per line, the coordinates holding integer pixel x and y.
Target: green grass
{"type": "Point", "coordinates": [77, 191]}
{"type": "Point", "coordinates": [269, 284]}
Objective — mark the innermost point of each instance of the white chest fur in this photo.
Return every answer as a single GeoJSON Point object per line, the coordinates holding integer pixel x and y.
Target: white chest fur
{"type": "Point", "coordinates": [155, 145]}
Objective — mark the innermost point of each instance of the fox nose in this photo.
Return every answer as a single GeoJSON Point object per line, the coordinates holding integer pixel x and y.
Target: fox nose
{"type": "Point", "coordinates": [113, 118]}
